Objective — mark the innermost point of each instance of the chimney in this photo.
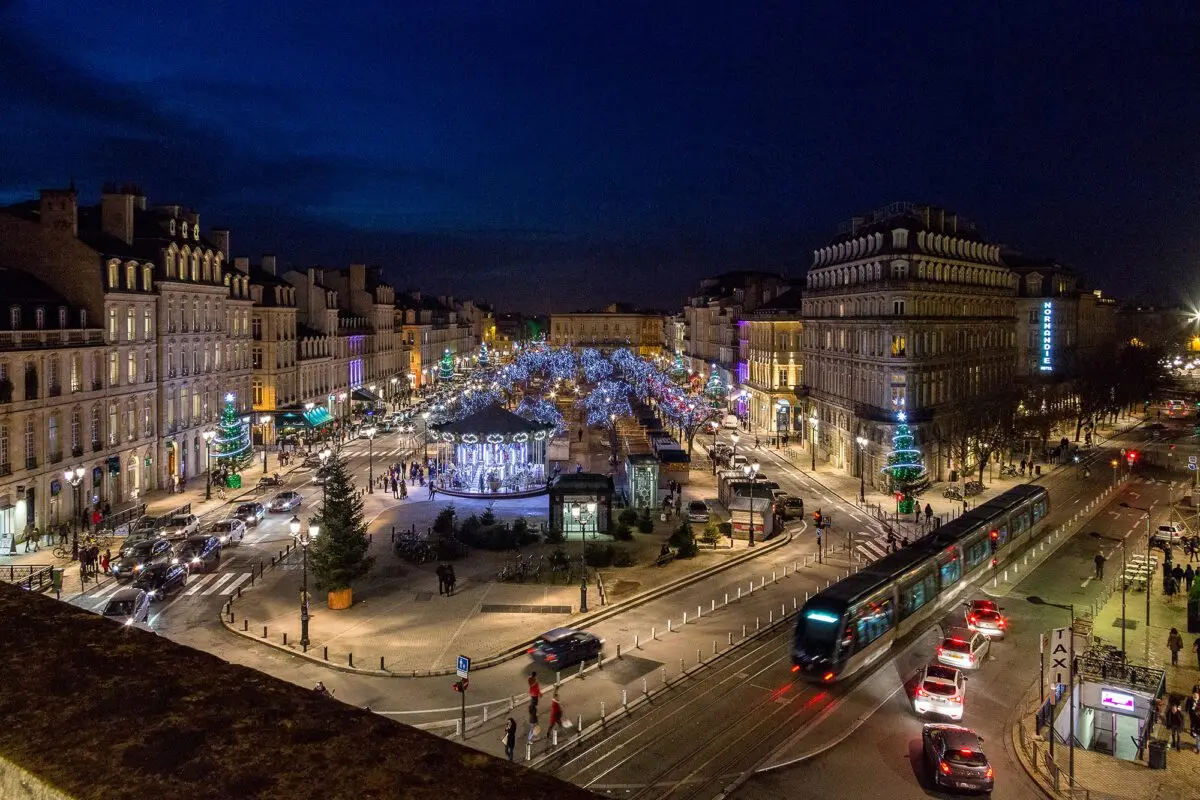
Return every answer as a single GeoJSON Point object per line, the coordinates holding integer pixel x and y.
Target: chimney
{"type": "Point", "coordinates": [220, 237]}
{"type": "Point", "coordinates": [242, 265]}
{"type": "Point", "coordinates": [59, 210]}
{"type": "Point", "coordinates": [116, 213]}
{"type": "Point", "coordinates": [268, 264]}
{"type": "Point", "coordinates": [358, 277]}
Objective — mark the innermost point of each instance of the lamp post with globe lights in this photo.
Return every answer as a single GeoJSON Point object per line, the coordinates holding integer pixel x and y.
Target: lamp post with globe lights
{"type": "Point", "coordinates": [751, 472]}
{"type": "Point", "coordinates": [208, 439]}
{"type": "Point", "coordinates": [304, 539]}
{"type": "Point", "coordinates": [370, 434]}
{"type": "Point", "coordinates": [862, 468]}
{"type": "Point", "coordinates": [75, 478]}
{"type": "Point", "coordinates": [264, 420]}
{"type": "Point", "coordinates": [813, 440]}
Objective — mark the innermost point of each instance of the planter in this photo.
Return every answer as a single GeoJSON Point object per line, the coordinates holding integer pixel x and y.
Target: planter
{"type": "Point", "coordinates": [341, 599]}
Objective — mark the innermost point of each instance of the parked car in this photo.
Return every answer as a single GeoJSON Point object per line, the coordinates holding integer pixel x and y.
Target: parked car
{"type": "Point", "coordinates": [199, 553]}
{"type": "Point", "coordinates": [955, 758]}
{"type": "Point", "coordinates": [144, 528]}
{"type": "Point", "coordinates": [731, 421]}
{"type": "Point", "coordinates": [940, 690]}
{"type": "Point", "coordinates": [284, 501]}
{"type": "Point", "coordinates": [562, 647]}
{"type": "Point", "coordinates": [321, 476]}
{"type": "Point", "coordinates": [1168, 533]}
{"type": "Point", "coordinates": [129, 606]}
{"type": "Point", "coordinates": [963, 648]}
{"type": "Point", "coordinates": [251, 513]}
{"type": "Point", "coordinates": [162, 580]}
{"type": "Point", "coordinates": [737, 461]}
{"type": "Point", "coordinates": [180, 526]}
{"type": "Point", "coordinates": [313, 460]}
{"type": "Point", "coordinates": [697, 511]}
{"type": "Point", "coordinates": [229, 531]}
{"type": "Point", "coordinates": [789, 507]}
{"type": "Point", "coordinates": [133, 558]}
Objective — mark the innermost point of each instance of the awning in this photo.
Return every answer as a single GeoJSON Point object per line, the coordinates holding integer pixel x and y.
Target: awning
{"type": "Point", "coordinates": [318, 416]}
{"type": "Point", "coordinates": [365, 395]}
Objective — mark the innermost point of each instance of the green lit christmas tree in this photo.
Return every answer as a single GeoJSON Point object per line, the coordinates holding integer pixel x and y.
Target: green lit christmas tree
{"type": "Point", "coordinates": [678, 368]}
{"type": "Point", "coordinates": [231, 445]}
{"type": "Point", "coordinates": [716, 390]}
{"type": "Point", "coordinates": [905, 470]}
{"type": "Point", "coordinates": [483, 354]}
{"type": "Point", "coordinates": [446, 368]}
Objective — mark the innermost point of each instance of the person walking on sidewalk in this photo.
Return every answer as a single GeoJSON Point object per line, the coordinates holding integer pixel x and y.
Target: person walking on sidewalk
{"type": "Point", "coordinates": [1189, 575]}
{"type": "Point", "coordinates": [441, 576]}
{"type": "Point", "coordinates": [928, 512]}
{"type": "Point", "coordinates": [1099, 559]}
{"type": "Point", "coordinates": [105, 560]}
{"type": "Point", "coordinates": [510, 737]}
{"type": "Point", "coordinates": [556, 714]}
{"type": "Point", "coordinates": [1174, 644]}
{"type": "Point", "coordinates": [450, 579]}
{"type": "Point", "coordinates": [535, 691]}
{"type": "Point", "coordinates": [1177, 573]}
{"type": "Point", "coordinates": [1175, 723]}
{"type": "Point", "coordinates": [534, 728]}
{"type": "Point", "coordinates": [1196, 650]}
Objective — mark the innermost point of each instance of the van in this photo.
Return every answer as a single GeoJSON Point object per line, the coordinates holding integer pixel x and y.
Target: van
{"type": "Point", "coordinates": [731, 422]}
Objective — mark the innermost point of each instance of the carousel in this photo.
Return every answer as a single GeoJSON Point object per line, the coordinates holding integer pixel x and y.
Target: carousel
{"type": "Point", "coordinates": [492, 453]}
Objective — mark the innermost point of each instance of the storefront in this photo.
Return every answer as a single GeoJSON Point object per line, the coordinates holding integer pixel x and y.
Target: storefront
{"type": "Point", "coordinates": [581, 505]}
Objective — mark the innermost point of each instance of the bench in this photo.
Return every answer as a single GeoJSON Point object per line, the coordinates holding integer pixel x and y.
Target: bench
{"type": "Point", "coordinates": [664, 559]}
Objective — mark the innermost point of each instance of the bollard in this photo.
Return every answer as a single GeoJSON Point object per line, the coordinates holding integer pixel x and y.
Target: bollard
{"type": "Point", "coordinates": [743, 631]}
{"type": "Point", "coordinates": [714, 605]}
{"type": "Point", "coordinates": [652, 634]}
{"type": "Point", "coordinates": [644, 690]}
{"type": "Point", "coordinates": [579, 729]}
{"type": "Point", "coordinates": [794, 606]}
{"type": "Point", "coordinates": [730, 639]}
{"type": "Point", "coordinates": [245, 624]}
{"type": "Point", "coordinates": [756, 624]}
{"type": "Point", "coordinates": [751, 587]}
{"type": "Point", "coordinates": [264, 631]}
{"type": "Point", "coordinates": [636, 644]}
{"type": "Point", "coordinates": [581, 665]}
{"type": "Point", "coordinates": [727, 598]}
{"type": "Point", "coordinates": [554, 737]}
{"type": "Point", "coordinates": [624, 699]}
{"type": "Point", "coordinates": [326, 652]}
{"type": "Point", "coordinates": [557, 678]}
{"type": "Point", "coordinates": [618, 651]}
{"type": "Point", "coordinates": [682, 669]}
{"type": "Point", "coordinates": [739, 597]}
{"type": "Point", "coordinates": [285, 638]}
{"type": "Point", "coordinates": [699, 612]}
{"type": "Point", "coordinates": [771, 617]}
{"type": "Point", "coordinates": [601, 711]}
{"type": "Point", "coordinates": [350, 659]}
{"type": "Point", "coordinates": [528, 751]}
{"type": "Point", "coordinates": [714, 647]}
{"type": "Point", "coordinates": [384, 669]}
{"type": "Point", "coordinates": [773, 577]}
{"type": "Point", "coordinates": [600, 661]}
{"type": "Point", "coordinates": [663, 673]}
{"type": "Point", "coordinates": [458, 728]}
{"type": "Point", "coordinates": [485, 714]}
{"type": "Point", "coordinates": [239, 594]}
{"type": "Point", "coordinates": [684, 620]}
{"type": "Point", "coordinates": [763, 583]}
{"type": "Point", "coordinates": [806, 597]}
{"type": "Point", "coordinates": [512, 703]}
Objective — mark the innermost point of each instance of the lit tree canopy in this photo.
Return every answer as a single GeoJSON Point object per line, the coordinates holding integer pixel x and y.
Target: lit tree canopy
{"type": "Point", "coordinates": [716, 390]}
{"type": "Point", "coordinates": [595, 366]}
{"type": "Point", "coordinates": [446, 366]}
{"type": "Point", "coordinates": [608, 401]}
{"type": "Point", "coordinates": [541, 410]}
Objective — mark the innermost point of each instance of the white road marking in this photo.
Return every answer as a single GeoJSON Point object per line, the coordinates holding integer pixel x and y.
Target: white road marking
{"type": "Point", "coordinates": [231, 588]}
{"type": "Point", "coordinates": [198, 585]}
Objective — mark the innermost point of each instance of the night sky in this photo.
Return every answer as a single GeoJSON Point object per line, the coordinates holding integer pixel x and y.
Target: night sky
{"type": "Point", "coordinates": [566, 154]}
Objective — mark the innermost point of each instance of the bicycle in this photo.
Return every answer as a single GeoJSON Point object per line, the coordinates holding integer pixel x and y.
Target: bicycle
{"type": "Point", "coordinates": [1009, 471]}
{"type": "Point", "coordinates": [62, 551]}
{"type": "Point", "coordinates": [952, 494]}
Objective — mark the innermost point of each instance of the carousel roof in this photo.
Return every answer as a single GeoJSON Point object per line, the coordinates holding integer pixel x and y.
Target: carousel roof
{"type": "Point", "coordinates": [492, 420]}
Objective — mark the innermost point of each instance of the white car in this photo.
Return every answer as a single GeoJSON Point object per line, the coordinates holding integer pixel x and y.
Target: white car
{"type": "Point", "coordinates": [229, 531]}
{"type": "Point", "coordinates": [963, 648]}
{"type": "Point", "coordinates": [730, 422]}
{"type": "Point", "coordinates": [941, 690]}
{"type": "Point", "coordinates": [1169, 533]}
{"type": "Point", "coordinates": [697, 511]}
{"type": "Point", "coordinates": [129, 606]}
{"type": "Point", "coordinates": [180, 526]}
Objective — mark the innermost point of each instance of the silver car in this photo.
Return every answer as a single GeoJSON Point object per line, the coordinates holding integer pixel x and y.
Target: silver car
{"type": "Point", "coordinates": [180, 526]}
{"type": "Point", "coordinates": [229, 531]}
{"type": "Point", "coordinates": [284, 501]}
{"type": "Point", "coordinates": [128, 606]}
{"type": "Point", "coordinates": [940, 690]}
{"type": "Point", "coordinates": [963, 648]}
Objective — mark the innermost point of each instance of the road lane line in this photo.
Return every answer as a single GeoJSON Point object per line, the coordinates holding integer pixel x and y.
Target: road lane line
{"type": "Point", "coordinates": [231, 588]}
{"type": "Point", "coordinates": [198, 585]}
{"type": "Point", "coordinates": [212, 587]}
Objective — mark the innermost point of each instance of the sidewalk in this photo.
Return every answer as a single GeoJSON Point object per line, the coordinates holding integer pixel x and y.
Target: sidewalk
{"type": "Point", "coordinates": [1106, 776]}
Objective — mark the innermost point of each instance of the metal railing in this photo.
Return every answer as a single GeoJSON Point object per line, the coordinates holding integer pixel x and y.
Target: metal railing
{"type": "Point", "coordinates": [1037, 753]}
{"type": "Point", "coordinates": [34, 577]}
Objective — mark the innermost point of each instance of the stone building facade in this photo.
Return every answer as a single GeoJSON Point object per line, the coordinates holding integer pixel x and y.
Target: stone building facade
{"type": "Point", "coordinates": [908, 309]}
{"type": "Point", "coordinates": [641, 332]}
{"type": "Point", "coordinates": [711, 319]}
{"type": "Point", "coordinates": [770, 341]}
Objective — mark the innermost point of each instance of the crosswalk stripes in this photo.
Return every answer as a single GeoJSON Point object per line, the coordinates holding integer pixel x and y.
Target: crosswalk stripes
{"type": "Point", "coordinates": [208, 585]}
{"type": "Point", "coordinates": [224, 583]}
{"type": "Point", "coordinates": [873, 545]}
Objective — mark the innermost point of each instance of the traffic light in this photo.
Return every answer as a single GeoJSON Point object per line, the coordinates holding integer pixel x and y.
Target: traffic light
{"type": "Point", "coordinates": [817, 518]}
{"type": "Point", "coordinates": [461, 685]}
{"type": "Point", "coordinates": [1132, 457]}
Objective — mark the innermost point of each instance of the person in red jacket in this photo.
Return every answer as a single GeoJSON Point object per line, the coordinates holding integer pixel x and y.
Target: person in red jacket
{"type": "Point", "coordinates": [535, 691]}
{"type": "Point", "coordinates": [556, 714]}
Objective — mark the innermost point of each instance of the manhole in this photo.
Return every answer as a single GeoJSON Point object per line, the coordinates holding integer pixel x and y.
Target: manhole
{"type": "Point", "coordinates": [424, 596]}
{"type": "Point", "coordinates": [1126, 623]}
{"type": "Point", "coordinates": [518, 609]}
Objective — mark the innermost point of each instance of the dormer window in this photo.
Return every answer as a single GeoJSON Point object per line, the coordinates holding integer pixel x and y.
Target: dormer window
{"type": "Point", "coordinates": [185, 230]}
{"type": "Point", "coordinates": [39, 318]}
{"type": "Point", "coordinates": [171, 226]}
{"type": "Point", "coordinates": [14, 316]}
{"type": "Point", "coordinates": [82, 318]}
{"type": "Point", "coordinates": [62, 316]}
{"type": "Point", "coordinates": [196, 232]}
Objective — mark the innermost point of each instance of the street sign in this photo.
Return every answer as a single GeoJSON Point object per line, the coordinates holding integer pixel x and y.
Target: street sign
{"type": "Point", "coordinates": [464, 666]}
{"type": "Point", "coordinates": [1191, 459]}
{"type": "Point", "coordinates": [1060, 656]}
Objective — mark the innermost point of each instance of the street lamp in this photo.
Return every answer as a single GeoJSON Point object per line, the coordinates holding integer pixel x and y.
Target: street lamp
{"type": "Point", "coordinates": [304, 539]}
{"type": "Point", "coordinates": [751, 472]}
{"type": "Point", "coordinates": [1149, 575]}
{"type": "Point", "coordinates": [324, 456]}
{"type": "Point", "coordinates": [862, 472]}
{"type": "Point", "coordinates": [425, 437]}
{"type": "Point", "coordinates": [1115, 463]}
{"type": "Point", "coordinates": [370, 434]}
{"type": "Point", "coordinates": [733, 437]}
{"type": "Point", "coordinates": [75, 478]}
{"type": "Point", "coordinates": [1037, 601]}
{"type": "Point", "coordinates": [813, 440]}
{"type": "Point", "coordinates": [208, 437]}
{"type": "Point", "coordinates": [264, 420]}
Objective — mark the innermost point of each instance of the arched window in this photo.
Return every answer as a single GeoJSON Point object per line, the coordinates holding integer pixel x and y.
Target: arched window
{"type": "Point", "coordinates": [148, 277]}
{"type": "Point", "coordinates": [196, 266]}
{"type": "Point", "coordinates": [76, 432]}
{"type": "Point", "coordinates": [131, 277]}
{"type": "Point", "coordinates": [113, 275]}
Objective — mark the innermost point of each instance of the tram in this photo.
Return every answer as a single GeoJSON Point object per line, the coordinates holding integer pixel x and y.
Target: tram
{"type": "Point", "coordinates": [850, 625]}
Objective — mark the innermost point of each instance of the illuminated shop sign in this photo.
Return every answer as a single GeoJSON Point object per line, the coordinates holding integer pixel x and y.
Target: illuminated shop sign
{"type": "Point", "coordinates": [1117, 701]}
{"type": "Point", "coordinates": [1047, 334]}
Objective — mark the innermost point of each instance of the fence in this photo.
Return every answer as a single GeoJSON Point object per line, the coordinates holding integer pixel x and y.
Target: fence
{"type": "Point", "coordinates": [1050, 770]}
{"type": "Point", "coordinates": [33, 577]}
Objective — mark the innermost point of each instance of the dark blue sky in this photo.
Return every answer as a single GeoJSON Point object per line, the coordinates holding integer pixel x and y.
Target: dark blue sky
{"type": "Point", "coordinates": [556, 154]}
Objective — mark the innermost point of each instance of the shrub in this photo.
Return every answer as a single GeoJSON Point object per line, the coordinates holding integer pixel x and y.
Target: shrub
{"type": "Point", "coordinates": [468, 527]}
{"type": "Point", "coordinates": [488, 517]}
{"type": "Point", "coordinates": [622, 558]}
{"type": "Point", "coordinates": [488, 537]}
{"type": "Point", "coordinates": [622, 532]}
{"type": "Point", "coordinates": [628, 516]}
{"type": "Point", "coordinates": [711, 534]}
{"type": "Point", "coordinates": [683, 541]}
{"type": "Point", "coordinates": [599, 554]}
{"type": "Point", "coordinates": [445, 520]}
{"type": "Point", "coordinates": [645, 523]}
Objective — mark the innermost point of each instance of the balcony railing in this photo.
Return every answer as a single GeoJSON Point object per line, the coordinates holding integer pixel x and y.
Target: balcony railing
{"type": "Point", "coordinates": [31, 462]}
{"type": "Point", "coordinates": [54, 391]}
{"type": "Point", "coordinates": [77, 451]}
{"type": "Point", "coordinates": [56, 457]}
{"type": "Point", "coordinates": [97, 385]}
{"type": "Point", "coordinates": [97, 446]}
{"type": "Point", "coordinates": [5, 469]}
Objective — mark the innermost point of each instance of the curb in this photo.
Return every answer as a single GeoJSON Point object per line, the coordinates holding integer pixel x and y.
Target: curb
{"type": "Point", "coordinates": [520, 649]}
{"type": "Point", "coordinates": [1014, 743]}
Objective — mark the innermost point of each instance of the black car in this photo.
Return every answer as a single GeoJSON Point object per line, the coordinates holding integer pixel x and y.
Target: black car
{"type": "Point", "coordinates": [133, 558]}
{"type": "Point", "coordinates": [161, 580]}
{"type": "Point", "coordinates": [251, 513]}
{"type": "Point", "coordinates": [562, 647]}
{"type": "Point", "coordinates": [955, 758]}
{"type": "Point", "coordinates": [201, 553]}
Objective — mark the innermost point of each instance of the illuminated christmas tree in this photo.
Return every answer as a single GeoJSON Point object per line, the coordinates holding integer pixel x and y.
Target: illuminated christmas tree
{"type": "Point", "coordinates": [678, 368]}
{"type": "Point", "coordinates": [905, 471]}
{"type": "Point", "coordinates": [483, 354]}
{"type": "Point", "coordinates": [231, 445]}
{"type": "Point", "coordinates": [716, 390]}
{"type": "Point", "coordinates": [446, 369]}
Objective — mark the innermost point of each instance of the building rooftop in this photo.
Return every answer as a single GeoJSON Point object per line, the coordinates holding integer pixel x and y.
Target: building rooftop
{"type": "Point", "coordinates": [911, 216]}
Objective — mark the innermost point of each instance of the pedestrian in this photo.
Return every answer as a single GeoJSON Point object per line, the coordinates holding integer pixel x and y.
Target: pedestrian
{"type": "Point", "coordinates": [1174, 644]}
{"type": "Point", "coordinates": [105, 561]}
{"type": "Point", "coordinates": [62, 536]}
{"type": "Point", "coordinates": [678, 503]}
{"type": "Point", "coordinates": [756, 441]}
{"type": "Point", "coordinates": [510, 737]}
{"type": "Point", "coordinates": [581, 434]}
{"type": "Point", "coordinates": [395, 488]}
{"type": "Point", "coordinates": [441, 576]}
{"type": "Point", "coordinates": [1170, 587]}
{"type": "Point", "coordinates": [83, 574]}
{"type": "Point", "coordinates": [450, 579]}
{"type": "Point", "coordinates": [1175, 723]}
{"type": "Point", "coordinates": [556, 714]}
{"type": "Point", "coordinates": [1099, 559]}
{"type": "Point", "coordinates": [1196, 650]}
{"type": "Point", "coordinates": [928, 512]}
{"type": "Point", "coordinates": [1177, 573]}
{"type": "Point", "coordinates": [964, 505]}
{"type": "Point", "coordinates": [1023, 462]}
{"type": "Point", "coordinates": [535, 690]}
{"type": "Point", "coordinates": [1189, 575]}
{"type": "Point", "coordinates": [534, 728]}
{"type": "Point", "coordinates": [1191, 710]}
